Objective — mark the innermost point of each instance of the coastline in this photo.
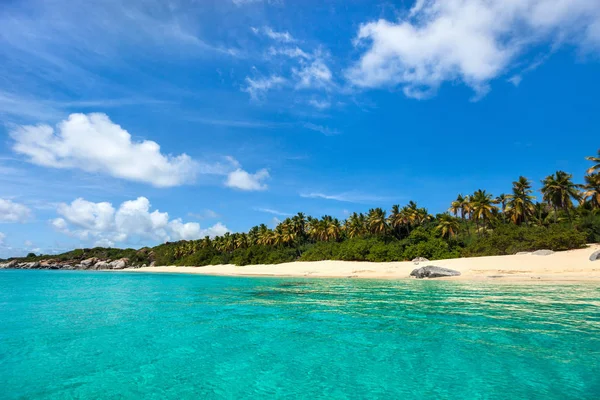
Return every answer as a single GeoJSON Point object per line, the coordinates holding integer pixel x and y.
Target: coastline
{"type": "Point", "coordinates": [564, 266]}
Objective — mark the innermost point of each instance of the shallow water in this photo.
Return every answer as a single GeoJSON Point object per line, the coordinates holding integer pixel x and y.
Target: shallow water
{"type": "Point", "coordinates": [74, 334]}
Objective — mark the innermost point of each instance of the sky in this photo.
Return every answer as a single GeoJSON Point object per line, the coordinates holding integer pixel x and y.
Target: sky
{"type": "Point", "coordinates": [128, 124]}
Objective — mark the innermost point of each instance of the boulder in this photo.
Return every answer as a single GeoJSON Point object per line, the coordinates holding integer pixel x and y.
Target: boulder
{"type": "Point", "coordinates": [31, 265]}
{"type": "Point", "coordinates": [87, 263]}
{"type": "Point", "coordinates": [431, 271]}
{"type": "Point", "coordinates": [595, 256]}
{"type": "Point", "coordinates": [101, 265]}
{"type": "Point", "coordinates": [119, 264]}
{"type": "Point", "coordinates": [419, 259]}
{"type": "Point", "coordinates": [522, 253]}
{"type": "Point", "coordinates": [542, 252]}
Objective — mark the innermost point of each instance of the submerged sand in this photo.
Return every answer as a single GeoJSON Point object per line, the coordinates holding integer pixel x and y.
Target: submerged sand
{"type": "Point", "coordinates": [564, 266]}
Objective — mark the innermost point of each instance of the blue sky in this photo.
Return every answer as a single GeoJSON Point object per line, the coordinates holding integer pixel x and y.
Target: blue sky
{"type": "Point", "coordinates": [131, 124]}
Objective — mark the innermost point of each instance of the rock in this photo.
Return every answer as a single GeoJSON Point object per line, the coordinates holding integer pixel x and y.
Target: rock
{"type": "Point", "coordinates": [595, 256]}
{"type": "Point", "coordinates": [119, 264]}
{"type": "Point", "coordinates": [431, 271]}
{"type": "Point", "coordinates": [522, 253]}
{"type": "Point", "coordinates": [542, 252]}
{"type": "Point", "coordinates": [419, 259]}
{"type": "Point", "coordinates": [31, 265]}
{"type": "Point", "coordinates": [86, 264]}
{"type": "Point", "coordinates": [101, 265]}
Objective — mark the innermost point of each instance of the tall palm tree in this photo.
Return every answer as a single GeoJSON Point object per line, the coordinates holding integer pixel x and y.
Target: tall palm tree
{"type": "Point", "coordinates": [456, 205]}
{"type": "Point", "coordinates": [520, 205]}
{"type": "Point", "coordinates": [592, 190]}
{"type": "Point", "coordinates": [596, 161]}
{"type": "Point", "coordinates": [396, 218]}
{"type": "Point", "coordinates": [502, 199]}
{"type": "Point", "coordinates": [377, 221]}
{"type": "Point", "coordinates": [483, 207]}
{"type": "Point", "coordinates": [559, 191]}
{"type": "Point", "coordinates": [354, 225]}
{"type": "Point", "coordinates": [448, 225]}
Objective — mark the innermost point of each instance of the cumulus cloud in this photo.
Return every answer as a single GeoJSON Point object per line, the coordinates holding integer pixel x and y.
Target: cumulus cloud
{"type": "Point", "coordinates": [473, 41]}
{"type": "Point", "coordinates": [94, 143]}
{"type": "Point", "coordinates": [13, 212]}
{"type": "Point", "coordinates": [132, 221]}
{"type": "Point", "coordinates": [240, 179]}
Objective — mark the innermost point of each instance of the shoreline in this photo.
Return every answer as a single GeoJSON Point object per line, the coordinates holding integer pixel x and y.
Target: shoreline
{"type": "Point", "coordinates": [569, 266]}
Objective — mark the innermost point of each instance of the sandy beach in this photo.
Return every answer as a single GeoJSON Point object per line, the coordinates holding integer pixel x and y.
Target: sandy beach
{"type": "Point", "coordinates": [564, 266]}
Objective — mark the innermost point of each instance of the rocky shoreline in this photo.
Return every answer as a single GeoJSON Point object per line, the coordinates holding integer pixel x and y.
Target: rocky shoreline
{"type": "Point", "coordinates": [92, 264]}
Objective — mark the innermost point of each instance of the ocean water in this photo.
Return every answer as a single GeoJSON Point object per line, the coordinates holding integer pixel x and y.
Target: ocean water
{"type": "Point", "coordinates": [92, 335]}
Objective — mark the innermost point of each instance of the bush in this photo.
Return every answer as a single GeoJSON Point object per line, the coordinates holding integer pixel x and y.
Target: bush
{"type": "Point", "coordinates": [510, 239]}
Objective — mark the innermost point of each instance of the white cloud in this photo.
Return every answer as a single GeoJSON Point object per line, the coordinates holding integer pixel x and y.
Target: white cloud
{"type": "Point", "coordinates": [94, 143]}
{"type": "Point", "coordinates": [274, 212]}
{"type": "Point", "coordinates": [320, 104]}
{"type": "Point", "coordinates": [13, 212]}
{"type": "Point", "coordinates": [205, 214]}
{"type": "Point", "coordinates": [257, 87]}
{"type": "Point", "coordinates": [322, 129]}
{"type": "Point", "coordinates": [130, 222]}
{"type": "Point", "coordinates": [240, 179]}
{"type": "Point", "coordinates": [292, 52]}
{"type": "Point", "coordinates": [313, 75]}
{"type": "Point", "coordinates": [349, 197]}
{"type": "Point", "coordinates": [284, 37]}
{"type": "Point", "coordinates": [473, 41]}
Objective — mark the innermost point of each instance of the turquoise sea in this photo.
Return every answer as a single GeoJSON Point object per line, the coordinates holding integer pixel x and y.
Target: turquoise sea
{"type": "Point", "coordinates": [93, 335]}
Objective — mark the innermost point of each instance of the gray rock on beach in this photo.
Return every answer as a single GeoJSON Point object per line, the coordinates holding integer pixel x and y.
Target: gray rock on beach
{"type": "Point", "coordinates": [522, 253]}
{"type": "Point", "coordinates": [419, 259]}
{"type": "Point", "coordinates": [431, 271]}
{"type": "Point", "coordinates": [595, 256]}
{"type": "Point", "coordinates": [542, 252]}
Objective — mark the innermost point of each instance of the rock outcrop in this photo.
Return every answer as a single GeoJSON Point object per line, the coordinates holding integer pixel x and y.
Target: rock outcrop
{"type": "Point", "coordinates": [595, 256]}
{"type": "Point", "coordinates": [431, 271]}
{"type": "Point", "coordinates": [88, 264]}
{"type": "Point", "coordinates": [419, 259]}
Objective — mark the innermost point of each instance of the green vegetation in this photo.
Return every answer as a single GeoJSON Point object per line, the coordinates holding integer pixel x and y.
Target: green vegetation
{"type": "Point", "coordinates": [479, 224]}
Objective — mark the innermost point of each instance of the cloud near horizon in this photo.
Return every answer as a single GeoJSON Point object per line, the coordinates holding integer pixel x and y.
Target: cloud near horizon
{"type": "Point", "coordinates": [474, 41]}
{"type": "Point", "coordinates": [105, 225]}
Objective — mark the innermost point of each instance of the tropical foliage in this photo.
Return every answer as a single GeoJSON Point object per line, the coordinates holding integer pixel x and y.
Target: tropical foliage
{"type": "Point", "coordinates": [567, 217]}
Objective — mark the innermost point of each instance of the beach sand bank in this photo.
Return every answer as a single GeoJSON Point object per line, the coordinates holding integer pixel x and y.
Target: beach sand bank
{"type": "Point", "coordinates": [564, 266]}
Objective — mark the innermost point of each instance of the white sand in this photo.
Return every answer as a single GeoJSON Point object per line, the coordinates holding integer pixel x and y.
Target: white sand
{"type": "Point", "coordinates": [565, 266]}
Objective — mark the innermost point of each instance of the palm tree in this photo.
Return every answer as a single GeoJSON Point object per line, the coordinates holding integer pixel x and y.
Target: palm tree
{"type": "Point", "coordinates": [354, 225]}
{"type": "Point", "coordinates": [502, 199]}
{"type": "Point", "coordinates": [448, 225]}
{"type": "Point", "coordinates": [456, 205]}
{"type": "Point", "coordinates": [559, 190]}
{"type": "Point", "coordinates": [396, 218]}
{"type": "Point", "coordinates": [592, 190]}
{"type": "Point", "coordinates": [483, 207]}
{"type": "Point", "coordinates": [376, 221]}
{"type": "Point", "coordinates": [596, 161]}
{"type": "Point", "coordinates": [520, 205]}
